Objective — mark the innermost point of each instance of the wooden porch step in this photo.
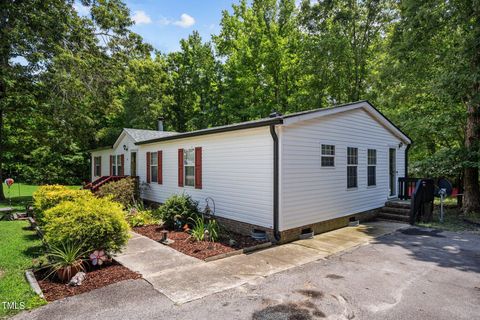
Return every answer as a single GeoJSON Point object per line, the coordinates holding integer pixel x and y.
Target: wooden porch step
{"type": "Point", "coordinates": [396, 210]}
{"type": "Point", "coordinates": [404, 204]}
{"type": "Point", "coordinates": [393, 217]}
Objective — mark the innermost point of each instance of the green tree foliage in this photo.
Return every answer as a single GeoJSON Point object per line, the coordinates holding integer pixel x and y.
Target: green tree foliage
{"type": "Point", "coordinates": [82, 79]}
{"type": "Point", "coordinates": [436, 58]}
{"type": "Point", "coordinates": [260, 46]}
{"type": "Point", "coordinates": [197, 84]}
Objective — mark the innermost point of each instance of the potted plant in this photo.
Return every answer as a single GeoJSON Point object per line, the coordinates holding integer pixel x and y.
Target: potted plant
{"type": "Point", "coordinates": [66, 260]}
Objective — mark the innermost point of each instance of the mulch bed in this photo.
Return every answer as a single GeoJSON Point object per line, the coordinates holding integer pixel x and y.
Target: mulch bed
{"type": "Point", "coordinates": [198, 249]}
{"type": "Point", "coordinates": [96, 278]}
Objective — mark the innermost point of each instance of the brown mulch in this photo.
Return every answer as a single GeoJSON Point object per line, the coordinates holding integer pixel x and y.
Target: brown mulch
{"type": "Point", "coordinates": [96, 278]}
{"type": "Point", "coordinates": [198, 249]}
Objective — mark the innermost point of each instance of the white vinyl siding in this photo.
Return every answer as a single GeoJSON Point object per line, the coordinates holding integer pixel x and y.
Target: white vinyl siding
{"type": "Point", "coordinates": [309, 192]}
{"type": "Point", "coordinates": [237, 172]}
{"type": "Point", "coordinates": [105, 155]}
{"type": "Point", "coordinates": [129, 144]}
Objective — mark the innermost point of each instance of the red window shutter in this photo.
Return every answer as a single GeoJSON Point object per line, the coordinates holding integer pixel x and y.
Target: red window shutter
{"type": "Point", "coordinates": [111, 165]}
{"type": "Point", "coordinates": [180, 167]}
{"type": "Point", "coordinates": [122, 161]}
{"type": "Point", "coordinates": [148, 167]}
{"type": "Point", "coordinates": [198, 168]}
{"type": "Point", "coordinates": [160, 166]}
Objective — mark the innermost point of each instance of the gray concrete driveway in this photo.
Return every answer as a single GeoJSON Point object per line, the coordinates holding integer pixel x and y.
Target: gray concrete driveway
{"type": "Point", "coordinates": [410, 274]}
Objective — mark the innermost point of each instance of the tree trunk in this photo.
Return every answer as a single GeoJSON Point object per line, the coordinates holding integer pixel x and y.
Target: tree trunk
{"type": "Point", "coordinates": [471, 194]}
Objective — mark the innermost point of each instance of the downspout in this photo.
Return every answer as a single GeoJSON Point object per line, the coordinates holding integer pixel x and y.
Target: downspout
{"type": "Point", "coordinates": [276, 232]}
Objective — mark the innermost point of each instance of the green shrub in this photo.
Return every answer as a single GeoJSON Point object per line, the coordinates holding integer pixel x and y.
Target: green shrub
{"type": "Point", "coordinates": [141, 218]}
{"type": "Point", "coordinates": [97, 223]}
{"type": "Point", "coordinates": [123, 191]}
{"type": "Point", "coordinates": [48, 196]}
{"type": "Point", "coordinates": [179, 206]}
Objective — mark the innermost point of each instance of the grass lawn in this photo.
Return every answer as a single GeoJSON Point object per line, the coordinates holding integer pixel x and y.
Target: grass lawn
{"type": "Point", "coordinates": [18, 246]}
{"type": "Point", "coordinates": [20, 195]}
{"type": "Point", "coordinates": [453, 218]}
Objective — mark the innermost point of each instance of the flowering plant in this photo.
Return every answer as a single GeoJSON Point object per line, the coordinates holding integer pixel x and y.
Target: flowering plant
{"type": "Point", "coordinates": [98, 257]}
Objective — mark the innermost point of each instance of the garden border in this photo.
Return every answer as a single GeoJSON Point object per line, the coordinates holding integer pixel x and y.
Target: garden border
{"type": "Point", "coordinates": [239, 251]}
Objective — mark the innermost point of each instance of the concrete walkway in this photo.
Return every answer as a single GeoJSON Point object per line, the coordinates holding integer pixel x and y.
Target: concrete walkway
{"type": "Point", "coordinates": [183, 279]}
{"type": "Point", "coordinates": [147, 256]}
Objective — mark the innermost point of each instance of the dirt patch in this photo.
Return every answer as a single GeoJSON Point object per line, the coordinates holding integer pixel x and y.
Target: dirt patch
{"type": "Point", "coordinates": [96, 278]}
{"type": "Point", "coordinates": [334, 276]}
{"type": "Point", "coordinates": [316, 294]}
{"type": "Point", "coordinates": [198, 249]}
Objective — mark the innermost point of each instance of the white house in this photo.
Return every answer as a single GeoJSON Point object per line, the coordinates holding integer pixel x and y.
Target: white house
{"type": "Point", "coordinates": [285, 174]}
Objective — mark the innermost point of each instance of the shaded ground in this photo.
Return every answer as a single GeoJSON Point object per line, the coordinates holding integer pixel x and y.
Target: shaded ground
{"type": "Point", "coordinates": [413, 274]}
{"type": "Point", "coordinates": [454, 220]}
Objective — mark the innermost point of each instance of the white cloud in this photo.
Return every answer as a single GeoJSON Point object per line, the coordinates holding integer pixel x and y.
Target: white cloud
{"type": "Point", "coordinates": [165, 21]}
{"type": "Point", "coordinates": [185, 21]}
{"type": "Point", "coordinates": [140, 17]}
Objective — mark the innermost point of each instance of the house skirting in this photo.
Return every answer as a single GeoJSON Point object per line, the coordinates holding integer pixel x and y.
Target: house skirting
{"type": "Point", "coordinates": [294, 233]}
{"type": "Point", "coordinates": [290, 234]}
{"type": "Point", "coordinates": [328, 225]}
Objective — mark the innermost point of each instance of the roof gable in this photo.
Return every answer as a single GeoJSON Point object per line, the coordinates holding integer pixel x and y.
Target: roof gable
{"type": "Point", "coordinates": [139, 135]}
{"type": "Point", "coordinates": [365, 105]}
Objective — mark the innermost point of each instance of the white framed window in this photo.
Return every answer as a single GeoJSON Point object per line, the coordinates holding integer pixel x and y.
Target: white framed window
{"type": "Point", "coordinates": [119, 164]}
{"type": "Point", "coordinates": [352, 167]}
{"type": "Point", "coordinates": [114, 165]}
{"type": "Point", "coordinates": [154, 167]}
{"type": "Point", "coordinates": [371, 167]}
{"type": "Point", "coordinates": [328, 155]}
{"type": "Point", "coordinates": [97, 166]}
{"type": "Point", "coordinates": [189, 167]}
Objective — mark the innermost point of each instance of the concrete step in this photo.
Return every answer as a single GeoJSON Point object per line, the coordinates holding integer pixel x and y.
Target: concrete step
{"type": "Point", "coordinates": [404, 204]}
{"type": "Point", "coordinates": [393, 217]}
{"type": "Point", "coordinates": [395, 210]}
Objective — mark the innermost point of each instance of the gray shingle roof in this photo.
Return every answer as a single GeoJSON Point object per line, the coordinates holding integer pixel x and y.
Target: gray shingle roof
{"type": "Point", "coordinates": [140, 135]}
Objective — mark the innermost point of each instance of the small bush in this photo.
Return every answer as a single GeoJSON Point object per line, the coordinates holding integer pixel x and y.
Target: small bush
{"type": "Point", "coordinates": [123, 191]}
{"type": "Point", "coordinates": [46, 197]}
{"type": "Point", "coordinates": [97, 223]}
{"type": "Point", "coordinates": [141, 218]}
{"type": "Point", "coordinates": [179, 206]}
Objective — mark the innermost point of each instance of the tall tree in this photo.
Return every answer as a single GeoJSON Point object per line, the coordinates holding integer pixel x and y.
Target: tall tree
{"type": "Point", "coordinates": [341, 43]}
{"type": "Point", "coordinates": [197, 81]}
{"type": "Point", "coordinates": [441, 39]}
{"type": "Point", "coordinates": [58, 71]}
{"type": "Point", "coordinates": [29, 33]}
{"type": "Point", "coordinates": [259, 44]}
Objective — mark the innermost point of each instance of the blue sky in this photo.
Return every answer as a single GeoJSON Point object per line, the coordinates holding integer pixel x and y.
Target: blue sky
{"type": "Point", "coordinates": [162, 23]}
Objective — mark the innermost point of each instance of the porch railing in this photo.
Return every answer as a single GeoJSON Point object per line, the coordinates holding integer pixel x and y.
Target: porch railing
{"type": "Point", "coordinates": [406, 187]}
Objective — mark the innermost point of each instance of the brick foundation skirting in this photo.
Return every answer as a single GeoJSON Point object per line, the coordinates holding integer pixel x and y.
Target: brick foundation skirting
{"type": "Point", "coordinates": [328, 225]}
{"type": "Point", "coordinates": [294, 233]}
